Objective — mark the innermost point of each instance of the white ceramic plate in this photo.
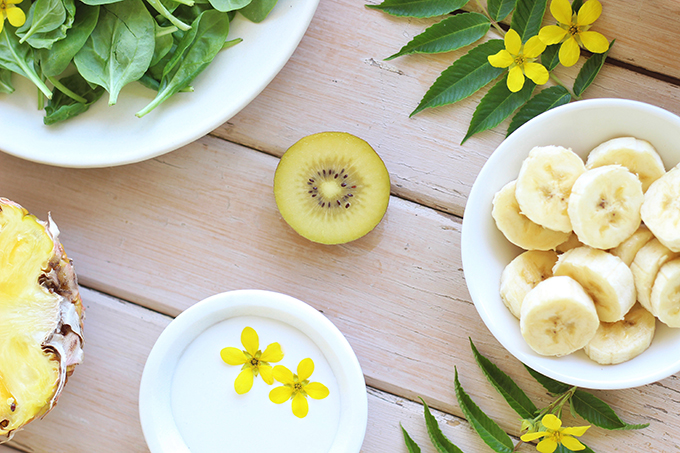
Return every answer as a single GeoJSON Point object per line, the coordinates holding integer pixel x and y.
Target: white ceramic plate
{"type": "Point", "coordinates": [112, 135]}
{"type": "Point", "coordinates": [581, 126]}
{"type": "Point", "coordinates": [187, 400]}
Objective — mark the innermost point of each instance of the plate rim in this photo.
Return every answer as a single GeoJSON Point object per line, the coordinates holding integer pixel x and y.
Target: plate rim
{"type": "Point", "coordinates": [158, 426]}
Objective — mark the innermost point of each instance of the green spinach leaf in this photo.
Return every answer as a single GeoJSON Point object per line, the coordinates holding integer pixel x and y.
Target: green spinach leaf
{"type": "Point", "coordinates": [18, 57]}
{"type": "Point", "coordinates": [257, 10]}
{"type": "Point", "coordinates": [62, 107]}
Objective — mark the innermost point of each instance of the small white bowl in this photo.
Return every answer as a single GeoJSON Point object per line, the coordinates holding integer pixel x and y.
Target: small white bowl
{"type": "Point", "coordinates": [187, 400]}
{"type": "Point", "coordinates": [580, 126]}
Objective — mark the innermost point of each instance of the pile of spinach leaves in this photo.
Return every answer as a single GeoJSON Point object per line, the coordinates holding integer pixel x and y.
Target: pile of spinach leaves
{"type": "Point", "coordinates": [163, 44]}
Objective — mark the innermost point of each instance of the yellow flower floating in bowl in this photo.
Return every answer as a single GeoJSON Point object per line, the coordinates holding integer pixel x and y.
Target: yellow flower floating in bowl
{"type": "Point", "coordinates": [297, 387]}
{"type": "Point", "coordinates": [253, 360]}
{"type": "Point", "coordinates": [572, 30]}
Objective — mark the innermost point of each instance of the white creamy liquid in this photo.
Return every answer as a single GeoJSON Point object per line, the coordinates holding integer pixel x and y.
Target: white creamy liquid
{"type": "Point", "coordinates": [213, 418]}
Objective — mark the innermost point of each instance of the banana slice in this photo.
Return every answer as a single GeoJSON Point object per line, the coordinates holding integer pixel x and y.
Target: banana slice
{"type": "Point", "coordinates": [606, 279]}
{"type": "Point", "coordinates": [629, 248]}
{"type": "Point", "coordinates": [661, 209]}
{"type": "Point", "coordinates": [638, 156]}
{"type": "Point", "coordinates": [665, 299]}
{"type": "Point", "coordinates": [523, 274]}
{"type": "Point", "coordinates": [604, 206]}
{"type": "Point", "coordinates": [645, 267]}
{"type": "Point", "coordinates": [558, 317]}
{"type": "Point", "coordinates": [544, 184]}
{"type": "Point", "coordinates": [617, 342]}
{"type": "Point", "coordinates": [517, 228]}
{"type": "Point", "coordinates": [571, 243]}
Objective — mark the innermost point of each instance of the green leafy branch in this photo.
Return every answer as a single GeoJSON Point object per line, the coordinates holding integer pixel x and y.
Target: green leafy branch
{"type": "Point", "coordinates": [473, 71]}
{"type": "Point", "coordinates": [581, 403]}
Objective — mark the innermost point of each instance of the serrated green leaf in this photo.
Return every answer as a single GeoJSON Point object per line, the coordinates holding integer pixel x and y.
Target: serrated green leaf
{"type": "Point", "coordinates": [589, 71]}
{"type": "Point", "coordinates": [419, 8]}
{"type": "Point", "coordinates": [551, 385]}
{"type": "Point", "coordinates": [516, 398]}
{"type": "Point", "coordinates": [551, 57]}
{"type": "Point", "coordinates": [410, 443]}
{"type": "Point", "coordinates": [576, 5]}
{"type": "Point", "coordinates": [542, 102]}
{"type": "Point", "coordinates": [498, 104]}
{"type": "Point", "coordinates": [527, 18]}
{"type": "Point", "coordinates": [599, 413]}
{"type": "Point", "coordinates": [499, 9]}
{"type": "Point", "coordinates": [464, 77]}
{"type": "Point", "coordinates": [487, 429]}
{"type": "Point", "coordinates": [439, 440]}
{"type": "Point", "coordinates": [450, 34]}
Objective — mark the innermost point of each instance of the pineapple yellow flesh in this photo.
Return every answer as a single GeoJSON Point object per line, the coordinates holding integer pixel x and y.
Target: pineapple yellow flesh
{"type": "Point", "coordinates": [32, 326]}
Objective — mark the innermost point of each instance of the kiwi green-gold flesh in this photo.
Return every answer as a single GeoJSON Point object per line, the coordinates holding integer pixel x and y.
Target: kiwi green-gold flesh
{"type": "Point", "coordinates": [332, 187]}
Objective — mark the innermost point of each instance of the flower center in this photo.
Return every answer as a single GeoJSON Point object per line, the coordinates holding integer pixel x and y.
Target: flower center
{"type": "Point", "coordinates": [573, 29]}
{"type": "Point", "coordinates": [520, 60]}
{"type": "Point", "coordinates": [297, 387]}
{"type": "Point", "coordinates": [254, 362]}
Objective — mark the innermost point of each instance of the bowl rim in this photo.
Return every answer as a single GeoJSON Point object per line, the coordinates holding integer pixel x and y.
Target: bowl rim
{"type": "Point", "coordinates": [471, 220]}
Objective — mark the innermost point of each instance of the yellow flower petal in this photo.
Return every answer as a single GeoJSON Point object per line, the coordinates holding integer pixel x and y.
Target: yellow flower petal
{"type": "Point", "coordinates": [267, 374]}
{"type": "Point", "coordinates": [317, 390]}
{"type": "Point", "coordinates": [569, 52]}
{"type": "Point", "coordinates": [283, 374]}
{"type": "Point", "coordinates": [244, 381]}
{"type": "Point", "coordinates": [280, 395]}
{"type": "Point", "coordinates": [515, 79]}
{"type": "Point", "coordinates": [594, 41]}
{"type": "Point", "coordinates": [15, 16]}
{"type": "Point", "coordinates": [305, 369]}
{"type": "Point", "coordinates": [589, 12]}
{"type": "Point", "coordinates": [233, 356]}
{"type": "Point", "coordinates": [575, 430]}
{"type": "Point", "coordinates": [273, 353]}
{"type": "Point", "coordinates": [513, 43]}
{"type": "Point", "coordinates": [13, 2]}
{"type": "Point", "coordinates": [250, 340]}
{"type": "Point", "coordinates": [572, 443]}
{"type": "Point", "coordinates": [536, 72]}
{"type": "Point", "coordinates": [561, 10]}
{"type": "Point", "coordinates": [300, 406]}
{"type": "Point", "coordinates": [547, 446]}
{"type": "Point", "coordinates": [528, 437]}
{"type": "Point", "coordinates": [552, 34]}
{"type": "Point", "coordinates": [551, 422]}
{"type": "Point", "coordinates": [502, 59]}
{"type": "Point", "coordinates": [533, 47]}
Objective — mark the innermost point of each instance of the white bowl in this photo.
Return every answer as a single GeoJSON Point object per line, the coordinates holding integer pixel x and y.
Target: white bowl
{"type": "Point", "coordinates": [580, 126]}
{"type": "Point", "coordinates": [187, 400]}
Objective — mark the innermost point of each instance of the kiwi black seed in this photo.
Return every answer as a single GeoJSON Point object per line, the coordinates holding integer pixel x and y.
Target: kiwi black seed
{"type": "Point", "coordinates": [332, 187]}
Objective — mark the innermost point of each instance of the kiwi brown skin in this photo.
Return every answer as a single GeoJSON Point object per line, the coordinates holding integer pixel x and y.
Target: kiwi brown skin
{"type": "Point", "coordinates": [332, 187]}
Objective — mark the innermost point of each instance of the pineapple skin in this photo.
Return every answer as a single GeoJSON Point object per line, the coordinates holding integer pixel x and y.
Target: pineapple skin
{"type": "Point", "coordinates": [60, 345]}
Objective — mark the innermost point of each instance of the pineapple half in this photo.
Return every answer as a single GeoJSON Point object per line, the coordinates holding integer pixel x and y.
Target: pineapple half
{"type": "Point", "coordinates": [40, 318]}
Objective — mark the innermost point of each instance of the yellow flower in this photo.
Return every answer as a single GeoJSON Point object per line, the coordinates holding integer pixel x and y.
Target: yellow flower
{"type": "Point", "coordinates": [253, 360]}
{"type": "Point", "coordinates": [11, 12]}
{"type": "Point", "coordinates": [520, 58]}
{"type": "Point", "coordinates": [555, 435]}
{"type": "Point", "coordinates": [297, 387]}
{"type": "Point", "coordinates": [572, 30]}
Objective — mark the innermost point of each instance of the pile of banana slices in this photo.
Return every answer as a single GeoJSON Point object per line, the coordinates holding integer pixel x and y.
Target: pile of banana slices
{"type": "Point", "coordinates": [602, 241]}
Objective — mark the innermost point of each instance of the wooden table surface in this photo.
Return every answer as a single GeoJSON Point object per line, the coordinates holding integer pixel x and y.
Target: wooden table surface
{"type": "Point", "coordinates": [151, 239]}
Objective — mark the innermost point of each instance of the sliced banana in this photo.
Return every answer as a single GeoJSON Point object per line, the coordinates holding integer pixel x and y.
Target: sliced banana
{"type": "Point", "coordinates": [661, 209]}
{"type": "Point", "coordinates": [517, 228]}
{"type": "Point", "coordinates": [638, 156]}
{"type": "Point", "coordinates": [544, 185]}
{"type": "Point", "coordinates": [665, 298]}
{"type": "Point", "coordinates": [648, 260]}
{"type": "Point", "coordinates": [571, 243]}
{"type": "Point", "coordinates": [605, 277]}
{"type": "Point", "coordinates": [558, 317]}
{"type": "Point", "coordinates": [604, 206]}
{"type": "Point", "coordinates": [523, 274]}
{"type": "Point", "coordinates": [617, 342]}
{"type": "Point", "coordinates": [629, 248]}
